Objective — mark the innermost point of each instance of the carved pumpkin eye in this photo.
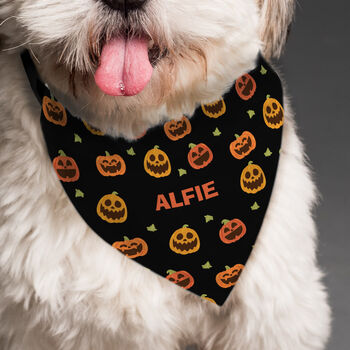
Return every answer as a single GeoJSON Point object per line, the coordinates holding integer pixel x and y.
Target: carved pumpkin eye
{"type": "Point", "coordinates": [268, 109]}
{"type": "Point", "coordinates": [189, 235]}
{"type": "Point", "coordinates": [200, 149]}
{"type": "Point", "coordinates": [180, 275]}
{"type": "Point", "coordinates": [161, 157]}
{"type": "Point", "coordinates": [256, 172]}
{"type": "Point", "coordinates": [194, 154]}
{"type": "Point", "coordinates": [105, 161]}
{"type": "Point", "coordinates": [171, 279]}
{"type": "Point", "coordinates": [225, 275]}
{"type": "Point", "coordinates": [180, 236]}
{"type": "Point", "coordinates": [123, 245]}
{"type": "Point", "coordinates": [226, 229]}
{"type": "Point", "coordinates": [152, 158]}
{"type": "Point", "coordinates": [133, 244]}
{"type": "Point", "coordinates": [240, 84]}
{"type": "Point", "coordinates": [274, 105]}
{"type": "Point", "coordinates": [69, 163]}
{"type": "Point", "coordinates": [118, 204]}
{"type": "Point", "coordinates": [247, 175]}
{"type": "Point", "coordinates": [108, 203]}
{"type": "Point", "coordinates": [60, 163]}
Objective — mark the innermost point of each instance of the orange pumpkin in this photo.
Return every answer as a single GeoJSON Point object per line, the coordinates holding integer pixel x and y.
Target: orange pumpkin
{"type": "Point", "coordinates": [110, 165]}
{"type": "Point", "coordinates": [177, 129]}
{"type": "Point", "coordinates": [92, 129]}
{"type": "Point", "coordinates": [243, 145]}
{"type": "Point", "coordinates": [253, 178]}
{"type": "Point", "coordinates": [199, 155]}
{"type": "Point", "coordinates": [215, 109]}
{"type": "Point", "coordinates": [273, 113]}
{"type": "Point", "coordinates": [229, 277]}
{"type": "Point", "coordinates": [132, 248]}
{"type": "Point", "coordinates": [66, 168]}
{"type": "Point", "coordinates": [180, 278]}
{"type": "Point", "coordinates": [232, 231]}
{"type": "Point", "coordinates": [54, 112]}
{"type": "Point", "coordinates": [245, 86]}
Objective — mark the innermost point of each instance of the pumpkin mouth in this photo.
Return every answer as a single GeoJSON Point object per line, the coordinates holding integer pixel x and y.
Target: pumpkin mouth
{"type": "Point", "coordinates": [132, 251]}
{"type": "Point", "coordinates": [183, 283]}
{"type": "Point", "coordinates": [185, 246]}
{"type": "Point", "coordinates": [248, 88]}
{"type": "Point", "coordinates": [253, 185]}
{"type": "Point", "coordinates": [112, 214]}
{"type": "Point", "coordinates": [111, 168]}
{"type": "Point", "coordinates": [232, 279]}
{"type": "Point", "coordinates": [179, 131]}
{"type": "Point", "coordinates": [275, 119]}
{"type": "Point", "coordinates": [58, 116]}
{"type": "Point", "coordinates": [245, 148]}
{"type": "Point", "coordinates": [66, 173]}
{"type": "Point", "coordinates": [158, 169]}
{"type": "Point", "coordinates": [202, 159]}
{"type": "Point", "coordinates": [234, 233]}
{"type": "Point", "coordinates": [214, 108]}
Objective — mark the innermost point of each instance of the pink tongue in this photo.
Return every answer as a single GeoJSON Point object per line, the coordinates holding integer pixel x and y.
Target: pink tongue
{"type": "Point", "coordinates": [125, 68]}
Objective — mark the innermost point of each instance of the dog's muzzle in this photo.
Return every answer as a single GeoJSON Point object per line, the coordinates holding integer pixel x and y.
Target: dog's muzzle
{"type": "Point", "coordinates": [124, 5]}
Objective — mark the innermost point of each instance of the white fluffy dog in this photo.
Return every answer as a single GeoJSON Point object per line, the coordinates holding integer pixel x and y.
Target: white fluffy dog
{"type": "Point", "coordinates": [55, 290]}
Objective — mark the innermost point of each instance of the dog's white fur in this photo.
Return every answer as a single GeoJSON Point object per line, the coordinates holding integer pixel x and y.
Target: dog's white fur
{"type": "Point", "coordinates": [62, 287]}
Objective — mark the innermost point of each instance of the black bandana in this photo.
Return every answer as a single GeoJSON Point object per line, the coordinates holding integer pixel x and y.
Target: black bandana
{"type": "Point", "coordinates": [188, 198]}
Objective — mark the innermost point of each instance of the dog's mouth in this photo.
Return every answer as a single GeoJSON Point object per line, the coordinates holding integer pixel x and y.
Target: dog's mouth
{"type": "Point", "coordinates": [126, 64]}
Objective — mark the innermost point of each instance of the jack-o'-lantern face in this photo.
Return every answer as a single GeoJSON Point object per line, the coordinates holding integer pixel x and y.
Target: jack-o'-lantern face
{"type": "Point", "coordinates": [132, 248]}
{"type": "Point", "coordinates": [157, 163]}
{"type": "Point", "coordinates": [54, 112]}
{"type": "Point", "coordinates": [199, 156]}
{"type": "Point", "coordinates": [184, 241]}
{"type": "Point", "coordinates": [110, 165]}
{"type": "Point", "coordinates": [243, 145]}
{"type": "Point", "coordinates": [66, 168]}
{"type": "Point", "coordinates": [112, 208]}
{"type": "Point", "coordinates": [177, 129]}
{"type": "Point", "coordinates": [252, 178]}
{"type": "Point", "coordinates": [232, 231]}
{"type": "Point", "coordinates": [215, 109]}
{"type": "Point", "coordinates": [245, 86]}
{"type": "Point", "coordinates": [180, 278]}
{"type": "Point", "coordinates": [229, 277]}
{"type": "Point", "coordinates": [273, 113]}
{"type": "Point", "coordinates": [92, 129]}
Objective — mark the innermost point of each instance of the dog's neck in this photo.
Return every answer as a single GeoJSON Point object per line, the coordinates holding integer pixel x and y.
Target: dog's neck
{"type": "Point", "coordinates": [132, 116]}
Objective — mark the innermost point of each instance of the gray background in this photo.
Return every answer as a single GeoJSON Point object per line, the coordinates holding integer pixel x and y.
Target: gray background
{"type": "Point", "coordinates": [316, 68]}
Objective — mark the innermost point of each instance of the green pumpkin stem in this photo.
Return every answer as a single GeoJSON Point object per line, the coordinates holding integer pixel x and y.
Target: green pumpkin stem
{"type": "Point", "coordinates": [227, 267]}
{"type": "Point", "coordinates": [250, 162]}
{"type": "Point", "coordinates": [267, 97]}
{"type": "Point", "coordinates": [204, 295]}
{"type": "Point", "coordinates": [52, 96]}
{"type": "Point", "coordinates": [115, 193]}
{"type": "Point", "coordinates": [225, 221]}
{"type": "Point", "coordinates": [156, 147]}
{"type": "Point", "coordinates": [126, 238]}
{"type": "Point", "coordinates": [192, 145]}
{"type": "Point", "coordinates": [184, 226]}
{"type": "Point", "coordinates": [61, 153]}
{"type": "Point", "coordinates": [237, 136]}
{"type": "Point", "coordinates": [107, 153]}
{"type": "Point", "coordinates": [169, 272]}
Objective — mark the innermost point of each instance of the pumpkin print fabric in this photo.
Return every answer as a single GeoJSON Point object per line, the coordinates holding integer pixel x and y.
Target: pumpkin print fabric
{"type": "Point", "coordinates": [187, 199]}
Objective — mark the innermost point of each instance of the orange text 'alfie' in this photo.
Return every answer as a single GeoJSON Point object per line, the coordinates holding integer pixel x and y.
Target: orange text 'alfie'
{"type": "Point", "coordinates": [196, 193]}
